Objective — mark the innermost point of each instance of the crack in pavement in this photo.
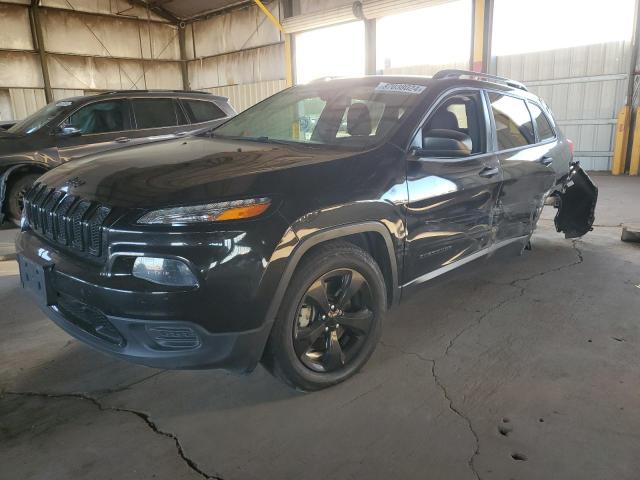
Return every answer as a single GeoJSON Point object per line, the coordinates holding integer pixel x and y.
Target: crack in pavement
{"type": "Point", "coordinates": [478, 320]}
{"type": "Point", "coordinates": [451, 406]}
{"type": "Point", "coordinates": [143, 416]}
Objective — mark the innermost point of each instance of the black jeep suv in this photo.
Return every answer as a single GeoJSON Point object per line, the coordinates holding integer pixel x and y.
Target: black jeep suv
{"type": "Point", "coordinates": [284, 235]}
{"type": "Point", "coordinates": [75, 127]}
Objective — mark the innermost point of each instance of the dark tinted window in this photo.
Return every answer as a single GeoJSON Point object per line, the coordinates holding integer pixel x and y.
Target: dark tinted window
{"type": "Point", "coordinates": [513, 122]}
{"type": "Point", "coordinates": [202, 111]}
{"type": "Point", "coordinates": [100, 117]}
{"type": "Point", "coordinates": [456, 128]}
{"type": "Point", "coordinates": [545, 131]}
{"type": "Point", "coordinates": [182, 117]}
{"type": "Point", "coordinates": [154, 112]}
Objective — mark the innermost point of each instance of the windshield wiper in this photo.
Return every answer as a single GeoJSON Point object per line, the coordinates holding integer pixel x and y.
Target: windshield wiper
{"type": "Point", "coordinates": [262, 139]}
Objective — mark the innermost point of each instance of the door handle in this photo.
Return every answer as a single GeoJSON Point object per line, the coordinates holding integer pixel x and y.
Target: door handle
{"type": "Point", "coordinates": [488, 172]}
{"type": "Point", "coordinates": [546, 160]}
{"type": "Point", "coordinates": [122, 139]}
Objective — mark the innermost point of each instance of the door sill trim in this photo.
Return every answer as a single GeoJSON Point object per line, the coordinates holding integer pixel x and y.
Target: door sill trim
{"type": "Point", "coordinates": [463, 261]}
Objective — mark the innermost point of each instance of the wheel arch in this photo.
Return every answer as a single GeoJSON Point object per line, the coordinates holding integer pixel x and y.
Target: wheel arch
{"type": "Point", "coordinates": [11, 174]}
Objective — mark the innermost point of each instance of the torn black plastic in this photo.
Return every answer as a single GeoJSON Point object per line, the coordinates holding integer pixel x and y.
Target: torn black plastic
{"type": "Point", "coordinates": [576, 204]}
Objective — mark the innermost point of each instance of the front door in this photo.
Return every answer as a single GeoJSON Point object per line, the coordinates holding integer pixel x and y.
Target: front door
{"type": "Point", "coordinates": [103, 125]}
{"type": "Point", "coordinates": [453, 183]}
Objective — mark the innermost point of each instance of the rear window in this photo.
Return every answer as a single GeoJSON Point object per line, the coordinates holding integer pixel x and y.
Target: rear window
{"type": "Point", "coordinates": [545, 131]}
{"type": "Point", "coordinates": [154, 112]}
{"type": "Point", "coordinates": [202, 111]}
{"type": "Point", "coordinates": [513, 122]}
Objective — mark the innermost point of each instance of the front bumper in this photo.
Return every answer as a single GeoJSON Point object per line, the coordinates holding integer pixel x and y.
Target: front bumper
{"type": "Point", "coordinates": [161, 344]}
{"type": "Point", "coordinates": [143, 323]}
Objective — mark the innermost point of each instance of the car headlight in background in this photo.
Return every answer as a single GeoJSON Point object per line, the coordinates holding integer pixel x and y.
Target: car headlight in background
{"type": "Point", "coordinates": [164, 271]}
{"type": "Point", "coordinates": [211, 212]}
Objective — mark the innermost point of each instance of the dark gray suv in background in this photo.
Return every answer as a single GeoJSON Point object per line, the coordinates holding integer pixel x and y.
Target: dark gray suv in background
{"type": "Point", "coordinates": [75, 127]}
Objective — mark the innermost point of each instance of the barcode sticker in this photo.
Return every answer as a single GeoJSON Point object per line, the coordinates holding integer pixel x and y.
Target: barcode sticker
{"type": "Point", "coordinates": [400, 88]}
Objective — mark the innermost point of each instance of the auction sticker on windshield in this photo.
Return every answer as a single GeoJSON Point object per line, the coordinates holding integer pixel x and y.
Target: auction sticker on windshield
{"type": "Point", "coordinates": [400, 88]}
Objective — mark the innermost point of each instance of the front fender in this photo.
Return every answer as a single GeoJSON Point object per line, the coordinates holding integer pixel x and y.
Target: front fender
{"type": "Point", "coordinates": [4, 180]}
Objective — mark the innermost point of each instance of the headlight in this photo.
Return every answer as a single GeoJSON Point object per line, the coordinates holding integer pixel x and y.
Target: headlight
{"type": "Point", "coordinates": [211, 212]}
{"type": "Point", "coordinates": [164, 271]}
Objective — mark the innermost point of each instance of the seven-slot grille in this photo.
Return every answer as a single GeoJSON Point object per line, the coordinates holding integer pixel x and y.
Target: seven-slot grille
{"type": "Point", "coordinates": [66, 219]}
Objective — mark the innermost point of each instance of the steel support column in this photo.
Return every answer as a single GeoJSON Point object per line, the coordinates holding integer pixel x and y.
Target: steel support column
{"type": "Point", "coordinates": [183, 56]}
{"type": "Point", "coordinates": [38, 43]}
{"type": "Point", "coordinates": [634, 160]}
{"type": "Point", "coordinates": [481, 38]}
{"type": "Point", "coordinates": [370, 46]}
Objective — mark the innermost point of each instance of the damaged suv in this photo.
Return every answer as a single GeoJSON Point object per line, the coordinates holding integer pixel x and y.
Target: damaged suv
{"type": "Point", "coordinates": [284, 235]}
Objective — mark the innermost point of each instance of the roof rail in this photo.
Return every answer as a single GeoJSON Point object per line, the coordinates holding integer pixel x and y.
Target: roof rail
{"type": "Point", "coordinates": [113, 92]}
{"type": "Point", "coordinates": [479, 76]}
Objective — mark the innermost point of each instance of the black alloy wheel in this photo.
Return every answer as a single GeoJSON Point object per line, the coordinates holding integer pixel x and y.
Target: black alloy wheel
{"type": "Point", "coordinates": [333, 320]}
{"type": "Point", "coordinates": [330, 319]}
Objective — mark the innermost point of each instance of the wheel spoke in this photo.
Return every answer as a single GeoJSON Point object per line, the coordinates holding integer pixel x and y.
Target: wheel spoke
{"type": "Point", "coordinates": [334, 356]}
{"type": "Point", "coordinates": [353, 282]}
{"type": "Point", "coordinates": [318, 293]}
{"type": "Point", "coordinates": [305, 337]}
{"type": "Point", "coordinates": [358, 322]}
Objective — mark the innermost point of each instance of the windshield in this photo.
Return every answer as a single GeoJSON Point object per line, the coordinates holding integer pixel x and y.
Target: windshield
{"type": "Point", "coordinates": [331, 113]}
{"type": "Point", "coordinates": [36, 121]}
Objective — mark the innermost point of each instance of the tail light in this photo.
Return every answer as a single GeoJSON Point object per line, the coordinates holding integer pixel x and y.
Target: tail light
{"type": "Point", "coordinates": [572, 146]}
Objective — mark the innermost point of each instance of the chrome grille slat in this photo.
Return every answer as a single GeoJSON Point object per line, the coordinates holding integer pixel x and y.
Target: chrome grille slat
{"type": "Point", "coordinates": [66, 220]}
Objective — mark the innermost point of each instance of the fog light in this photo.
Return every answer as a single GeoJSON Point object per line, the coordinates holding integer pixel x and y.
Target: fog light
{"type": "Point", "coordinates": [164, 271]}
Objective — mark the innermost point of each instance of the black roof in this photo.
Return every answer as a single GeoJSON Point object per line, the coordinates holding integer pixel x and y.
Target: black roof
{"type": "Point", "coordinates": [149, 93]}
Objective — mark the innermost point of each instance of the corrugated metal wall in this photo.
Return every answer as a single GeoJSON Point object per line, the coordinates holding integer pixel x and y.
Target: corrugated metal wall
{"type": "Point", "coordinates": [93, 45]}
{"type": "Point", "coordinates": [244, 96]}
{"type": "Point", "coordinates": [239, 55]}
{"type": "Point", "coordinates": [584, 86]}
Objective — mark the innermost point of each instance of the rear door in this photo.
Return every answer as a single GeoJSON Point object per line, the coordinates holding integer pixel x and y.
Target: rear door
{"type": "Point", "coordinates": [157, 118]}
{"type": "Point", "coordinates": [453, 182]}
{"type": "Point", "coordinates": [203, 113]}
{"type": "Point", "coordinates": [527, 165]}
{"type": "Point", "coordinates": [104, 125]}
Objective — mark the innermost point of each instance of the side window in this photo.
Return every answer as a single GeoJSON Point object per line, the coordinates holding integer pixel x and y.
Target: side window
{"type": "Point", "coordinates": [202, 111]}
{"type": "Point", "coordinates": [545, 131]}
{"type": "Point", "coordinates": [182, 117]}
{"type": "Point", "coordinates": [100, 117]}
{"type": "Point", "coordinates": [456, 128]}
{"type": "Point", "coordinates": [513, 122]}
{"type": "Point", "coordinates": [154, 112]}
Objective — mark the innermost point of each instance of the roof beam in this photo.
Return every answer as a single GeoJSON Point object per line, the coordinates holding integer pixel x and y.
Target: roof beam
{"type": "Point", "coordinates": [156, 8]}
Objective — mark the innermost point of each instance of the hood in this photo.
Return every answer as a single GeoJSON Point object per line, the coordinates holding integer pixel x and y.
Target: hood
{"type": "Point", "coordinates": [184, 171]}
{"type": "Point", "coordinates": [11, 144]}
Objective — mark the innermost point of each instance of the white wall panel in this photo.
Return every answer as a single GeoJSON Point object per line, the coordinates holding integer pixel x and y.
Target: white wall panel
{"type": "Point", "coordinates": [18, 69]}
{"type": "Point", "coordinates": [85, 34]}
{"type": "Point", "coordinates": [306, 7]}
{"type": "Point", "coordinates": [249, 66]}
{"type": "Point", "coordinates": [62, 93]}
{"type": "Point", "coordinates": [238, 30]}
{"type": "Point", "coordinates": [244, 96]}
{"type": "Point", "coordinates": [584, 86]}
{"type": "Point", "coordinates": [6, 110]}
{"type": "Point", "coordinates": [25, 101]}
{"type": "Point", "coordinates": [15, 33]}
{"type": "Point", "coordinates": [110, 7]}
{"type": "Point", "coordinates": [89, 73]}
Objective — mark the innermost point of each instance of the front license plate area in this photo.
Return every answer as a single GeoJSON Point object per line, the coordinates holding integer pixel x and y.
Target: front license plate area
{"type": "Point", "coordinates": [36, 279]}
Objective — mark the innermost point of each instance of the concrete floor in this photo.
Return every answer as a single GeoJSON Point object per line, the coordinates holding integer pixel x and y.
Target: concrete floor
{"type": "Point", "coordinates": [526, 368]}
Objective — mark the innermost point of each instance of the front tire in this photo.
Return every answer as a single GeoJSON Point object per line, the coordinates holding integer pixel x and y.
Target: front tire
{"type": "Point", "coordinates": [330, 319]}
{"type": "Point", "coordinates": [15, 196]}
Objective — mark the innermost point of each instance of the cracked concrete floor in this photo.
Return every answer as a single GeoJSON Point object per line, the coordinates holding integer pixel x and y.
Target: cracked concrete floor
{"type": "Point", "coordinates": [519, 368]}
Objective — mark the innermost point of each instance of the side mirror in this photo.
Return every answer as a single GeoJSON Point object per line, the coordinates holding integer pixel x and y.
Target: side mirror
{"type": "Point", "coordinates": [68, 131]}
{"type": "Point", "coordinates": [442, 148]}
